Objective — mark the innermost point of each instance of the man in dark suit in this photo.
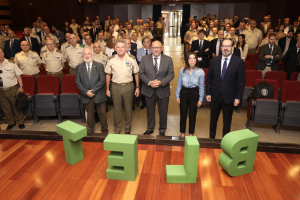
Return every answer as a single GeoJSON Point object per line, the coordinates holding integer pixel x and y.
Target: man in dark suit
{"type": "Point", "coordinates": [221, 89]}
{"type": "Point", "coordinates": [33, 42]}
{"type": "Point", "coordinates": [90, 80]}
{"type": "Point", "coordinates": [265, 26]}
{"type": "Point", "coordinates": [269, 56]}
{"type": "Point", "coordinates": [215, 45]}
{"type": "Point", "coordinates": [296, 28]}
{"type": "Point", "coordinates": [156, 72]}
{"type": "Point", "coordinates": [236, 22]}
{"type": "Point", "coordinates": [11, 46]}
{"type": "Point", "coordinates": [201, 47]}
{"type": "Point", "coordinates": [41, 33]}
{"type": "Point", "coordinates": [94, 31]}
{"type": "Point", "coordinates": [287, 42]}
{"type": "Point", "coordinates": [241, 29]}
{"type": "Point", "coordinates": [58, 34]}
{"type": "Point", "coordinates": [292, 59]}
{"type": "Point", "coordinates": [153, 30]}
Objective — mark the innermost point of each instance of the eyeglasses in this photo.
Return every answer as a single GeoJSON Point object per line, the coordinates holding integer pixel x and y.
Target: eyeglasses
{"type": "Point", "coordinates": [24, 45]}
{"type": "Point", "coordinates": [156, 48]}
{"type": "Point", "coordinates": [226, 46]}
{"type": "Point", "coordinates": [49, 44]}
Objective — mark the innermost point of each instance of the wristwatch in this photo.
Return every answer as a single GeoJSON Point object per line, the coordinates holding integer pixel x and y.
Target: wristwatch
{"type": "Point", "coordinates": [21, 86]}
{"type": "Point", "coordinates": [138, 87]}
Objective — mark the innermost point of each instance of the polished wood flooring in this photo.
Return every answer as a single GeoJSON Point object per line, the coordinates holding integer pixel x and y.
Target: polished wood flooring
{"type": "Point", "coordinates": [36, 169]}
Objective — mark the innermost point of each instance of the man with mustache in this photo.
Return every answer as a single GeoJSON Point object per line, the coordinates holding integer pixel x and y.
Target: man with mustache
{"type": "Point", "coordinates": [221, 89]}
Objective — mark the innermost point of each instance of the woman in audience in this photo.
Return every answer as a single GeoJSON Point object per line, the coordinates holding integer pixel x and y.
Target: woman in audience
{"type": "Point", "coordinates": [276, 25]}
{"type": "Point", "coordinates": [110, 46]}
{"type": "Point", "coordinates": [280, 32]}
{"type": "Point", "coordinates": [241, 44]}
{"type": "Point", "coordinates": [189, 92]}
{"type": "Point", "coordinates": [67, 28]}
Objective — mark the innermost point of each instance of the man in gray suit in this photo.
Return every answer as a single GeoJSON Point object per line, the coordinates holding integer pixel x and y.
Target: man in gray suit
{"type": "Point", "coordinates": [90, 80]}
{"type": "Point", "coordinates": [156, 71]}
{"type": "Point", "coordinates": [269, 56]}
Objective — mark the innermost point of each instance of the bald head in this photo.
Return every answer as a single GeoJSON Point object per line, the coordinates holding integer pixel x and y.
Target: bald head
{"type": "Point", "coordinates": [96, 47]}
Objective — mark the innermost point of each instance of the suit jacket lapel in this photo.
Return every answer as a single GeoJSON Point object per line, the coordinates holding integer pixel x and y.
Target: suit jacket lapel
{"type": "Point", "coordinates": [160, 65]}
{"type": "Point", "coordinates": [219, 68]}
{"type": "Point", "coordinates": [85, 70]}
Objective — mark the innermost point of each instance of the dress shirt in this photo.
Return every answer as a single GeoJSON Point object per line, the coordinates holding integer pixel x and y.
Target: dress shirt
{"type": "Point", "coordinates": [286, 29]}
{"type": "Point", "coordinates": [265, 28]}
{"type": "Point", "coordinates": [218, 46]}
{"type": "Point", "coordinates": [88, 65]}
{"type": "Point", "coordinates": [287, 44]}
{"type": "Point", "coordinates": [187, 80]}
{"type": "Point", "coordinates": [228, 61]}
{"type": "Point", "coordinates": [138, 43]}
{"type": "Point", "coordinates": [298, 49]}
{"type": "Point", "coordinates": [158, 60]}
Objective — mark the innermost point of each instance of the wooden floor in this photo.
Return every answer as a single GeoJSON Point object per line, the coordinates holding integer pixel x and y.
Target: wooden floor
{"type": "Point", "coordinates": [37, 170]}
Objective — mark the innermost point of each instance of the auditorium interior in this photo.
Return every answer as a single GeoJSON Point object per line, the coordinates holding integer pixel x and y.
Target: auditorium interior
{"type": "Point", "coordinates": [33, 160]}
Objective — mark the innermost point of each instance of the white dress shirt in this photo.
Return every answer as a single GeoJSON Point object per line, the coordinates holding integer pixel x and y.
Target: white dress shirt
{"type": "Point", "coordinates": [89, 65]}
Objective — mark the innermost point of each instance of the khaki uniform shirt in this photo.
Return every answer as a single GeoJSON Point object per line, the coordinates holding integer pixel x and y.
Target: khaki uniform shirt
{"type": "Point", "coordinates": [160, 24]}
{"type": "Point", "coordinates": [87, 27]}
{"type": "Point", "coordinates": [101, 58]}
{"type": "Point", "coordinates": [90, 47]}
{"type": "Point", "coordinates": [44, 49]}
{"type": "Point", "coordinates": [10, 72]}
{"type": "Point", "coordinates": [36, 37]}
{"type": "Point", "coordinates": [53, 37]}
{"type": "Point", "coordinates": [75, 55]}
{"type": "Point", "coordinates": [28, 64]}
{"type": "Point", "coordinates": [252, 38]}
{"type": "Point", "coordinates": [74, 28]}
{"type": "Point", "coordinates": [149, 34]}
{"type": "Point", "coordinates": [140, 38]}
{"type": "Point", "coordinates": [122, 70]}
{"type": "Point", "coordinates": [53, 61]}
{"type": "Point", "coordinates": [102, 45]}
{"type": "Point", "coordinates": [235, 38]}
{"type": "Point", "coordinates": [211, 37]}
{"type": "Point", "coordinates": [2, 41]}
{"type": "Point", "coordinates": [136, 28]}
{"type": "Point", "coordinates": [130, 34]}
{"type": "Point", "coordinates": [190, 34]}
{"type": "Point", "coordinates": [63, 47]}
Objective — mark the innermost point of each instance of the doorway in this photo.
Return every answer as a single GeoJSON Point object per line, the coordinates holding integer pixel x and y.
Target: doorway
{"type": "Point", "coordinates": [173, 19]}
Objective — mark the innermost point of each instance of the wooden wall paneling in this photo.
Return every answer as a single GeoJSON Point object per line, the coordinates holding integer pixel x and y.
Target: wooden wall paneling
{"type": "Point", "coordinates": [4, 2]}
{"type": "Point", "coordinates": [276, 9]}
{"type": "Point", "coordinates": [292, 10]}
{"type": "Point", "coordinates": [62, 12]}
{"type": "Point", "coordinates": [242, 10]}
{"type": "Point", "coordinates": [258, 11]}
{"type": "Point", "coordinates": [76, 11]}
{"type": "Point", "coordinates": [225, 9]}
{"type": "Point", "coordinates": [106, 10]}
{"type": "Point", "coordinates": [91, 11]}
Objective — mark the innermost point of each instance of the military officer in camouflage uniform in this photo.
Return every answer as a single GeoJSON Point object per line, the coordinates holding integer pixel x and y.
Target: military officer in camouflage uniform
{"type": "Point", "coordinates": [53, 60]}
{"type": "Point", "coordinates": [73, 54]}
{"type": "Point", "coordinates": [28, 61]}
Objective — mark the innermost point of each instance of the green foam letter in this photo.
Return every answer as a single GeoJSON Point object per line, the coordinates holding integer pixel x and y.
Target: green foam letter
{"type": "Point", "coordinates": [123, 158]}
{"type": "Point", "coordinates": [186, 173]}
{"type": "Point", "coordinates": [72, 134]}
{"type": "Point", "coordinates": [239, 150]}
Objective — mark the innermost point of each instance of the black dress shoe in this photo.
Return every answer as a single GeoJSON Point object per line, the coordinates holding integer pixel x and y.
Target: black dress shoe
{"type": "Point", "coordinates": [148, 132]}
{"type": "Point", "coordinates": [10, 126]}
{"type": "Point", "coordinates": [21, 126]}
{"type": "Point", "coordinates": [142, 106]}
{"type": "Point", "coordinates": [162, 133]}
{"type": "Point", "coordinates": [127, 132]}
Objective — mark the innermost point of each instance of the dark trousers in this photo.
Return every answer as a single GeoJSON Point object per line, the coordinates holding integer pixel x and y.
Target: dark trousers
{"type": "Point", "coordinates": [189, 98]}
{"type": "Point", "coordinates": [215, 109]}
{"type": "Point", "coordinates": [142, 96]}
{"type": "Point", "coordinates": [162, 109]}
{"type": "Point", "coordinates": [101, 110]}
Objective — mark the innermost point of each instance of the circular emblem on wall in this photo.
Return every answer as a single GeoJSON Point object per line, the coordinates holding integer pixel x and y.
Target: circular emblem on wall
{"type": "Point", "coordinates": [264, 92]}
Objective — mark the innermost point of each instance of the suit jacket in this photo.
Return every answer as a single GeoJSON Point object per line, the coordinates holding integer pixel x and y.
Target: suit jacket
{"type": "Point", "coordinates": [282, 42]}
{"type": "Point", "coordinates": [201, 53]}
{"type": "Point", "coordinates": [213, 46]}
{"type": "Point", "coordinates": [235, 73]}
{"type": "Point", "coordinates": [60, 35]}
{"type": "Point", "coordinates": [237, 52]}
{"type": "Point", "coordinates": [94, 36]}
{"type": "Point", "coordinates": [70, 30]}
{"type": "Point", "coordinates": [236, 24]}
{"type": "Point", "coordinates": [154, 32]}
{"type": "Point", "coordinates": [262, 27]}
{"type": "Point", "coordinates": [15, 48]}
{"type": "Point", "coordinates": [40, 35]}
{"type": "Point", "coordinates": [265, 50]}
{"type": "Point", "coordinates": [35, 46]}
{"type": "Point", "coordinates": [95, 83]}
{"type": "Point", "coordinates": [141, 53]}
{"type": "Point", "coordinates": [290, 62]}
{"type": "Point", "coordinates": [165, 75]}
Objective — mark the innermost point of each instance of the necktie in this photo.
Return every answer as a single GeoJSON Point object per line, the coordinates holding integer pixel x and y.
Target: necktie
{"type": "Point", "coordinates": [146, 51]}
{"type": "Point", "coordinates": [224, 68]}
{"type": "Point", "coordinates": [35, 30]}
{"type": "Point", "coordinates": [271, 49]}
{"type": "Point", "coordinates": [155, 66]}
{"type": "Point", "coordinates": [11, 43]}
{"type": "Point", "coordinates": [28, 40]}
{"type": "Point", "coordinates": [220, 44]}
{"type": "Point", "coordinates": [200, 45]}
{"type": "Point", "coordinates": [89, 71]}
